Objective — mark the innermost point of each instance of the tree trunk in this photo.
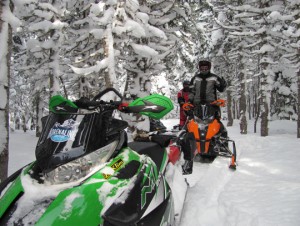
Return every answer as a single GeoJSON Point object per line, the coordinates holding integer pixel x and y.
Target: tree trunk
{"type": "Point", "coordinates": [264, 131]}
{"type": "Point", "coordinates": [254, 108]}
{"type": "Point", "coordinates": [53, 76]}
{"type": "Point", "coordinates": [249, 107]}
{"type": "Point", "coordinates": [264, 91]}
{"type": "Point", "coordinates": [39, 114]}
{"type": "Point", "coordinates": [298, 123]}
{"type": "Point", "coordinates": [243, 105]}
{"type": "Point", "coordinates": [110, 74]}
{"type": "Point", "coordinates": [138, 87]}
{"type": "Point", "coordinates": [257, 106]}
{"type": "Point", "coordinates": [5, 45]}
{"type": "Point", "coordinates": [233, 109]}
{"type": "Point", "coordinates": [229, 106]}
{"type": "Point", "coordinates": [257, 112]}
{"type": "Point", "coordinates": [24, 123]}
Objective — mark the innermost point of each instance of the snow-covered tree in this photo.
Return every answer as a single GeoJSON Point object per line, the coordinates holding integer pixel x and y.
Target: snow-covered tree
{"type": "Point", "coordinates": [7, 21]}
{"type": "Point", "coordinates": [255, 28]}
{"type": "Point", "coordinates": [292, 46]}
{"type": "Point", "coordinates": [85, 46]}
{"type": "Point", "coordinates": [39, 60]}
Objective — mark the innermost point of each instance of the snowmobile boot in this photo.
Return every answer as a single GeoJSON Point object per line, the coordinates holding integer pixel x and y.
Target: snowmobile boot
{"type": "Point", "coordinates": [187, 167]}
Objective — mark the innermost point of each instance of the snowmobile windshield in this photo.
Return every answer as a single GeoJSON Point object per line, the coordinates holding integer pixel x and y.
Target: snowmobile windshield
{"type": "Point", "coordinates": [206, 114]}
{"type": "Point", "coordinates": [66, 137]}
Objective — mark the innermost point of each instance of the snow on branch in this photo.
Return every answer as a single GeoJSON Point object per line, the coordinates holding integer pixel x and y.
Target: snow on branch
{"type": "Point", "coordinates": [253, 9]}
{"type": "Point", "coordinates": [88, 70]}
{"type": "Point", "coordinates": [144, 51]}
{"type": "Point", "coordinates": [156, 32]}
{"type": "Point", "coordinates": [276, 16]}
{"type": "Point", "coordinates": [132, 27]}
{"type": "Point", "coordinates": [250, 33]}
{"type": "Point", "coordinates": [48, 6]}
{"type": "Point", "coordinates": [264, 49]}
{"type": "Point", "coordinates": [296, 21]}
{"type": "Point", "coordinates": [43, 14]}
{"type": "Point", "coordinates": [47, 25]}
{"type": "Point", "coordinates": [97, 33]}
{"type": "Point", "coordinates": [10, 18]}
{"type": "Point", "coordinates": [236, 28]}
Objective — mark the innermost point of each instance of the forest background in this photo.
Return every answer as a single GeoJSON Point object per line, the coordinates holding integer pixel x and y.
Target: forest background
{"type": "Point", "coordinates": [78, 47]}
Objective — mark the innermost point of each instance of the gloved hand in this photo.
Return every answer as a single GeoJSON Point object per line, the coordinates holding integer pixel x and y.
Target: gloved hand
{"type": "Point", "coordinates": [123, 107]}
{"type": "Point", "coordinates": [187, 106]}
{"type": "Point", "coordinates": [222, 82]}
{"type": "Point", "coordinates": [219, 102]}
{"type": "Point", "coordinates": [181, 101]}
{"type": "Point", "coordinates": [82, 102]}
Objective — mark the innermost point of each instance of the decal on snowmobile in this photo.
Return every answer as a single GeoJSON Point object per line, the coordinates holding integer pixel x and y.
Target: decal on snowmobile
{"type": "Point", "coordinates": [148, 188]}
{"type": "Point", "coordinates": [64, 132]}
{"type": "Point", "coordinates": [115, 166]}
{"type": "Point", "coordinates": [106, 176]}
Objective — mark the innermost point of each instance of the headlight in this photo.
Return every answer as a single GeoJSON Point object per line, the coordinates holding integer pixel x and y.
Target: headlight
{"type": "Point", "coordinates": [81, 167]}
{"type": "Point", "coordinates": [205, 120]}
{"type": "Point", "coordinates": [209, 119]}
{"type": "Point", "coordinates": [198, 120]}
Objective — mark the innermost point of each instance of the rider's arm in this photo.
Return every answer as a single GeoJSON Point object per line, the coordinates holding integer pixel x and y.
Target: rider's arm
{"type": "Point", "coordinates": [180, 98]}
{"type": "Point", "coordinates": [192, 90]}
{"type": "Point", "coordinates": [221, 84]}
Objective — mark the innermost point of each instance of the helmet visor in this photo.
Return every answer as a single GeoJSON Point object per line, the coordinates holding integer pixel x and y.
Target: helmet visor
{"type": "Point", "coordinates": [204, 68]}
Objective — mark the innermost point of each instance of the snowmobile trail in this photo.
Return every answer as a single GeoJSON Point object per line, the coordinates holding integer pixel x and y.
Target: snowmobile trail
{"type": "Point", "coordinates": [206, 186]}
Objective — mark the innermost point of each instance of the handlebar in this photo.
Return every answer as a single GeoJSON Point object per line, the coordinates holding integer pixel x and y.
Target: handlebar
{"type": "Point", "coordinates": [85, 103]}
{"type": "Point", "coordinates": [148, 106]}
{"type": "Point", "coordinates": [188, 106]}
{"type": "Point", "coordinates": [100, 94]}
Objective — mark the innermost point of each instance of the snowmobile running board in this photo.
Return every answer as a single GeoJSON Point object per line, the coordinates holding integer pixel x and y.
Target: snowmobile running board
{"type": "Point", "coordinates": [230, 154]}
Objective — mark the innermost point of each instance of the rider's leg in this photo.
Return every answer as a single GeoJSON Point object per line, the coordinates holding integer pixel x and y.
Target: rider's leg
{"type": "Point", "coordinates": [188, 145]}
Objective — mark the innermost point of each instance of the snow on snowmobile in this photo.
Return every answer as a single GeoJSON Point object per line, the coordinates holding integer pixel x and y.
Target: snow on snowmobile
{"type": "Point", "coordinates": [86, 173]}
{"type": "Point", "coordinates": [205, 129]}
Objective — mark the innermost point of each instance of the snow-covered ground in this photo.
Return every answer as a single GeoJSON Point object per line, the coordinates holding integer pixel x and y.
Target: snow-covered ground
{"type": "Point", "coordinates": [263, 191]}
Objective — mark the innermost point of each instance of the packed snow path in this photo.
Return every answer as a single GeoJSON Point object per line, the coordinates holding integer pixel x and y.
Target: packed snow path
{"type": "Point", "coordinates": [263, 191]}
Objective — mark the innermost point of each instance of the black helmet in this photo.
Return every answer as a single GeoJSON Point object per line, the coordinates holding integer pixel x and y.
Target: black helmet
{"type": "Point", "coordinates": [204, 63]}
{"type": "Point", "coordinates": [186, 82]}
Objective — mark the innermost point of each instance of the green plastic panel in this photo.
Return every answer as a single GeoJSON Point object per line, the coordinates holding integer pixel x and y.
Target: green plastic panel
{"type": "Point", "coordinates": [156, 99]}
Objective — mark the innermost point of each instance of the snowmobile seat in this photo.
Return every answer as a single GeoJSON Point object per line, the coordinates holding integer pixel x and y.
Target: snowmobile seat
{"type": "Point", "coordinates": [151, 149]}
{"type": "Point", "coordinates": [162, 139]}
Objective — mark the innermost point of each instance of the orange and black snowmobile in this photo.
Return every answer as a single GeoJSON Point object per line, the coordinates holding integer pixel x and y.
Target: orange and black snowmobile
{"type": "Point", "coordinates": [204, 125]}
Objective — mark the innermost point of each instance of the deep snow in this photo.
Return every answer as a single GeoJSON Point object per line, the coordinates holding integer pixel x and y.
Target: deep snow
{"type": "Point", "coordinates": [263, 191]}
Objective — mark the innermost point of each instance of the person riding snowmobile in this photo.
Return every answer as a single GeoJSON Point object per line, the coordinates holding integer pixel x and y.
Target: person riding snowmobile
{"type": "Point", "coordinates": [203, 90]}
{"type": "Point", "coordinates": [204, 85]}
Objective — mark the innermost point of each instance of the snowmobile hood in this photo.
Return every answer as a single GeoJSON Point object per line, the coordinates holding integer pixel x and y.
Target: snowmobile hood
{"type": "Point", "coordinates": [70, 204]}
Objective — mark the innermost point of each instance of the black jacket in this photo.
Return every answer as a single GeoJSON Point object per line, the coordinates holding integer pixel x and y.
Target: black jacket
{"type": "Point", "coordinates": [203, 88]}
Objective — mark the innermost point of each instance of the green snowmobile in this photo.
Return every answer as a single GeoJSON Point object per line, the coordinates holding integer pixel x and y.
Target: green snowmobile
{"type": "Point", "coordinates": [87, 173]}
